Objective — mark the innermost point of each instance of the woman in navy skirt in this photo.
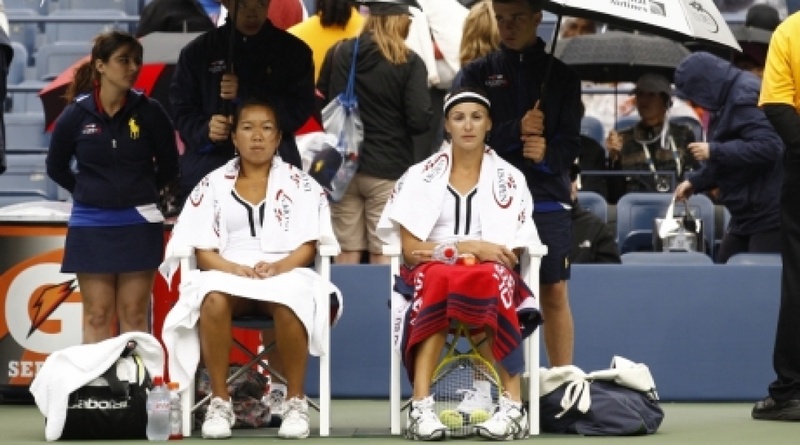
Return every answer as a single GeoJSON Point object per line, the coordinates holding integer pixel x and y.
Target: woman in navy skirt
{"type": "Point", "coordinates": [113, 149]}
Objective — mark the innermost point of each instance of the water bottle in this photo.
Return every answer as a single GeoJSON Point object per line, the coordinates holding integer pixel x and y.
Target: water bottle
{"type": "Point", "coordinates": [446, 253]}
{"type": "Point", "coordinates": [175, 412]}
{"type": "Point", "coordinates": [158, 407]}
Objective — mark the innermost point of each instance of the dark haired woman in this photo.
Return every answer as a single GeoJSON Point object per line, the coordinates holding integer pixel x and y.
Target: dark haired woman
{"type": "Point", "coordinates": [124, 152]}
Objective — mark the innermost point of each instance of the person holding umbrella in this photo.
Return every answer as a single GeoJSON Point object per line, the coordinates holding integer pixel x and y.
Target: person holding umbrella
{"type": "Point", "coordinates": [123, 144]}
{"type": "Point", "coordinates": [246, 57]}
{"type": "Point", "coordinates": [653, 144]}
{"type": "Point", "coordinates": [537, 130]}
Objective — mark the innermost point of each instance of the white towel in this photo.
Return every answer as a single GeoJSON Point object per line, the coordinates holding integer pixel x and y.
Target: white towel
{"type": "Point", "coordinates": [504, 202]}
{"type": "Point", "coordinates": [297, 212]}
{"type": "Point", "coordinates": [66, 370]}
{"type": "Point", "coordinates": [297, 289]}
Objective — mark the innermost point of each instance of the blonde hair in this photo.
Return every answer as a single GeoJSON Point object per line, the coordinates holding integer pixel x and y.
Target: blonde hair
{"type": "Point", "coordinates": [480, 35]}
{"type": "Point", "coordinates": [389, 33]}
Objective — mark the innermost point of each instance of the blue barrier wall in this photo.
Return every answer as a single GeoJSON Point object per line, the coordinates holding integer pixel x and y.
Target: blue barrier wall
{"type": "Point", "coordinates": [706, 332]}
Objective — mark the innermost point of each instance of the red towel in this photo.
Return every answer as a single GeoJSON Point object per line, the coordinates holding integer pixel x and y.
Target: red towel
{"type": "Point", "coordinates": [483, 295]}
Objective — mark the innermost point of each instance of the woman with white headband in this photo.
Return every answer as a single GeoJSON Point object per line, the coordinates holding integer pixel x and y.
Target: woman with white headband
{"type": "Point", "coordinates": [467, 199]}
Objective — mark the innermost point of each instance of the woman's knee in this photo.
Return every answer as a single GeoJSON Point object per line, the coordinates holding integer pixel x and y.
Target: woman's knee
{"type": "Point", "coordinates": [216, 305]}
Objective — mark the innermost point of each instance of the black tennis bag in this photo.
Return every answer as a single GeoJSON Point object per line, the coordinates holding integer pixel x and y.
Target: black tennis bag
{"type": "Point", "coordinates": [112, 406]}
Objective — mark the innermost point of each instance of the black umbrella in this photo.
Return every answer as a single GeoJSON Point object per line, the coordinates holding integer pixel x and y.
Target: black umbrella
{"type": "Point", "coordinates": [618, 56]}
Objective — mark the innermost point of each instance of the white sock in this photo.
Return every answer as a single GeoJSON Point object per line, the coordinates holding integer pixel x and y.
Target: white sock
{"type": "Point", "coordinates": [483, 386]}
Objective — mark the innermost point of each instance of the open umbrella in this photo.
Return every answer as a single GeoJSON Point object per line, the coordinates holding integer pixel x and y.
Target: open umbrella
{"type": "Point", "coordinates": [618, 56]}
{"type": "Point", "coordinates": [161, 51]}
{"type": "Point", "coordinates": [681, 20]}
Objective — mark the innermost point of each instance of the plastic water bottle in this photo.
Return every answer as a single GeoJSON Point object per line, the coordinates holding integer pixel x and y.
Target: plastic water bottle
{"type": "Point", "coordinates": [446, 253]}
{"type": "Point", "coordinates": [158, 407]}
{"type": "Point", "coordinates": [175, 412]}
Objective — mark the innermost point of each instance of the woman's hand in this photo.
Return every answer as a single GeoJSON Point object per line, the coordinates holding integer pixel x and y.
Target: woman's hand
{"type": "Point", "coordinates": [240, 270]}
{"type": "Point", "coordinates": [486, 251]}
{"type": "Point", "coordinates": [266, 270]}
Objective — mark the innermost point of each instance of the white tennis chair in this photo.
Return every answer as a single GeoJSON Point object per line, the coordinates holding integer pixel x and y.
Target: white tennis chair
{"type": "Point", "coordinates": [533, 257]}
{"type": "Point", "coordinates": [322, 265]}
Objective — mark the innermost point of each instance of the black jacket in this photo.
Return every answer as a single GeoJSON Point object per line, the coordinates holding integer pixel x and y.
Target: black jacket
{"type": "Point", "coordinates": [513, 81]}
{"type": "Point", "coordinates": [272, 65]}
{"type": "Point", "coordinates": [122, 161]}
{"type": "Point", "coordinates": [393, 101]}
{"type": "Point", "coordinates": [592, 240]}
{"type": "Point", "coordinates": [746, 154]}
{"type": "Point", "coordinates": [173, 16]}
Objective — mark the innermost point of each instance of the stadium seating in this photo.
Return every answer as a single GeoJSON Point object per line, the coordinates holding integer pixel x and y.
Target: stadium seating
{"type": "Point", "coordinates": [83, 32]}
{"type": "Point", "coordinates": [54, 58]}
{"type": "Point", "coordinates": [595, 203]}
{"type": "Point", "coordinates": [636, 213]}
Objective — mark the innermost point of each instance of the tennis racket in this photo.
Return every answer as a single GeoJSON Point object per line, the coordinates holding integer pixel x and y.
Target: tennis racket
{"type": "Point", "coordinates": [465, 386]}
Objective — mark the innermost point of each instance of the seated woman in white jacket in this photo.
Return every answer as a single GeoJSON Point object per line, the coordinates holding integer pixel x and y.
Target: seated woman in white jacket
{"type": "Point", "coordinates": [254, 224]}
{"type": "Point", "coordinates": [464, 194]}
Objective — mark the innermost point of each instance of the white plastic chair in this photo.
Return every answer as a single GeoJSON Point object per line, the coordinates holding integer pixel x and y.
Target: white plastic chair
{"type": "Point", "coordinates": [532, 257]}
{"type": "Point", "coordinates": [322, 265]}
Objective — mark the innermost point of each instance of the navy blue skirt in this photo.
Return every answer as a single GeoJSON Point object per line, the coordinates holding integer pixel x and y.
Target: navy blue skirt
{"type": "Point", "coordinates": [116, 249]}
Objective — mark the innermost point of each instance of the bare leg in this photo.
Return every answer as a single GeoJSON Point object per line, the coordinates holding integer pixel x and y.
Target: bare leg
{"type": "Point", "coordinates": [559, 333]}
{"type": "Point", "coordinates": [349, 257]}
{"type": "Point", "coordinates": [98, 292]}
{"type": "Point", "coordinates": [375, 258]}
{"type": "Point", "coordinates": [427, 357]}
{"type": "Point", "coordinates": [510, 383]}
{"type": "Point", "coordinates": [133, 297]}
{"type": "Point", "coordinates": [216, 338]}
{"type": "Point", "coordinates": [292, 345]}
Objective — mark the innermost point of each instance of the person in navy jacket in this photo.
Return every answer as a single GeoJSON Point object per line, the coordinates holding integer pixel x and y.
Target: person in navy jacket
{"type": "Point", "coordinates": [113, 149]}
{"type": "Point", "coordinates": [267, 63]}
{"type": "Point", "coordinates": [743, 156]}
{"type": "Point", "coordinates": [536, 127]}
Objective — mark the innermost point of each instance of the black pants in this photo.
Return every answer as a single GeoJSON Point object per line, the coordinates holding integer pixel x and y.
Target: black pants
{"type": "Point", "coordinates": [786, 355]}
{"type": "Point", "coordinates": [761, 242]}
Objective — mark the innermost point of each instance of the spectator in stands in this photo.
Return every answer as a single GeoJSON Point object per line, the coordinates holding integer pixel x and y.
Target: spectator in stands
{"type": "Point", "coordinates": [435, 35]}
{"type": "Point", "coordinates": [123, 144]}
{"type": "Point", "coordinates": [754, 53]}
{"type": "Point", "coordinates": [480, 35]}
{"type": "Point", "coordinates": [394, 102]}
{"type": "Point", "coordinates": [654, 145]}
{"type": "Point", "coordinates": [539, 133]}
{"type": "Point", "coordinates": [780, 94]}
{"type": "Point", "coordinates": [334, 20]}
{"type": "Point", "coordinates": [452, 197]}
{"type": "Point", "coordinates": [173, 16]}
{"type": "Point", "coordinates": [577, 26]}
{"type": "Point", "coordinates": [592, 157]}
{"type": "Point", "coordinates": [266, 62]}
{"type": "Point", "coordinates": [251, 262]}
{"type": "Point", "coordinates": [592, 240]}
{"type": "Point", "coordinates": [743, 157]}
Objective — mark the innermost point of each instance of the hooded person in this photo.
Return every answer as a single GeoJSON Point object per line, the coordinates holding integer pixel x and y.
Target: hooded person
{"type": "Point", "coordinates": [743, 155]}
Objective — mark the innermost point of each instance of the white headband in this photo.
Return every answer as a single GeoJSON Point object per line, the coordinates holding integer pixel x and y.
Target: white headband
{"type": "Point", "coordinates": [464, 96]}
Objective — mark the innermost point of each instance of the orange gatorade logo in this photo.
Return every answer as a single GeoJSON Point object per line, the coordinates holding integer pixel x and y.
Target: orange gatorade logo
{"type": "Point", "coordinates": [42, 313]}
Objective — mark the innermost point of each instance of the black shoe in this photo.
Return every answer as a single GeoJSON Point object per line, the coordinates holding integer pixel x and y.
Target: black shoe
{"type": "Point", "coordinates": [769, 409]}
